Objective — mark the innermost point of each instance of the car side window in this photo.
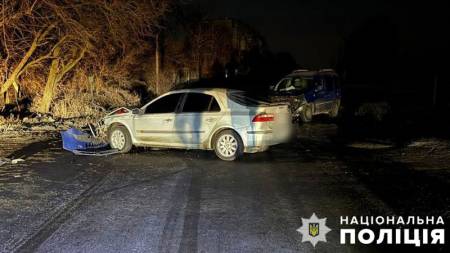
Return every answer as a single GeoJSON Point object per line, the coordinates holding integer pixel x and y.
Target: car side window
{"type": "Point", "coordinates": [214, 106]}
{"type": "Point", "coordinates": [318, 84]}
{"type": "Point", "coordinates": [285, 85]}
{"type": "Point", "coordinates": [167, 104]}
{"type": "Point", "coordinates": [198, 102]}
{"type": "Point", "coordinates": [329, 83]}
{"type": "Point", "coordinates": [301, 83]}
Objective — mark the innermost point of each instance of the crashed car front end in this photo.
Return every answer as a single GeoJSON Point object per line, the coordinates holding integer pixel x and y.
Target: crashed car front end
{"type": "Point", "coordinates": [121, 115]}
{"type": "Point", "coordinates": [296, 103]}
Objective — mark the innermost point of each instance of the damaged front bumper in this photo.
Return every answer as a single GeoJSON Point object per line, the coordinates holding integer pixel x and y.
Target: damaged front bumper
{"type": "Point", "coordinates": [297, 104]}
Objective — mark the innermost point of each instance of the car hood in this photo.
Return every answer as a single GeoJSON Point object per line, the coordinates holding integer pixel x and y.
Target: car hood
{"type": "Point", "coordinates": [119, 112]}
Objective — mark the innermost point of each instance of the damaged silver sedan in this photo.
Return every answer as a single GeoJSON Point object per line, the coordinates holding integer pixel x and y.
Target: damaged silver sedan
{"type": "Point", "coordinates": [223, 120]}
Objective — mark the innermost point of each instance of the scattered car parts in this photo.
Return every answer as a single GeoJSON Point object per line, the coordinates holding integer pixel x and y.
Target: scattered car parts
{"type": "Point", "coordinates": [82, 143]}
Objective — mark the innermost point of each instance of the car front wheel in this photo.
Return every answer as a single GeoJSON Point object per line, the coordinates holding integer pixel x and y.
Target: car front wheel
{"type": "Point", "coordinates": [307, 113]}
{"type": "Point", "coordinates": [119, 138]}
{"type": "Point", "coordinates": [228, 145]}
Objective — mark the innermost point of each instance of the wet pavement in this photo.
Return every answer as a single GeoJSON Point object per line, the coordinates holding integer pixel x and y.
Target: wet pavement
{"type": "Point", "coordinates": [189, 201]}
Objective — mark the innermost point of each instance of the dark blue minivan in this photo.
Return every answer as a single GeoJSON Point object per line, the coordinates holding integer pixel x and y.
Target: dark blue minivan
{"type": "Point", "coordinates": [309, 93]}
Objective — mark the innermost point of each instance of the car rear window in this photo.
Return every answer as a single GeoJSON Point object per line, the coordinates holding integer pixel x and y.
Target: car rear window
{"type": "Point", "coordinates": [246, 99]}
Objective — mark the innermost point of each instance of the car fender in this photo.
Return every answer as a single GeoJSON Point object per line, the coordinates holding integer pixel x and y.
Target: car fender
{"type": "Point", "coordinates": [123, 122]}
{"type": "Point", "coordinates": [239, 131]}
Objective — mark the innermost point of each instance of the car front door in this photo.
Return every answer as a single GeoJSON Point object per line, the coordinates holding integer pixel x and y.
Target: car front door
{"type": "Point", "coordinates": [156, 125]}
{"type": "Point", "coordinates": [323, 94]}
{"type": "Point", "coordinates": [197, 118]}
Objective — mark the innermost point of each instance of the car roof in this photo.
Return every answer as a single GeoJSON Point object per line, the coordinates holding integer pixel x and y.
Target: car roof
{"type": "Point", "coordinates": [205, 90]}
{"type": "Point", "coordinates": [309, 73]}
{"type": "Point", "coordinates": [302, 73]}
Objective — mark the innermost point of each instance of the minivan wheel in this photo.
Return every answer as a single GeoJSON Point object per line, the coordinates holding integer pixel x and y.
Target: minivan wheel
{"type": "Point", "coordinates": [228, 145]}
{"type": "Point", "coordinates": [307, 113]}
{"type": "Point", "coordinates": [119, 138]}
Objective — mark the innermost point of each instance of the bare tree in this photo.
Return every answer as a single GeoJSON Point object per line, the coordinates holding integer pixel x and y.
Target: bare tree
{"type": "Point", "coordinates": [209, 42]}
{"type": "Point", "coordinates": [54, 36]}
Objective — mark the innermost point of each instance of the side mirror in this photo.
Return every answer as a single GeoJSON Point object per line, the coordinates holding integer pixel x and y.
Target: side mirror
{"type": "Point", "coordinates": [136, 111]}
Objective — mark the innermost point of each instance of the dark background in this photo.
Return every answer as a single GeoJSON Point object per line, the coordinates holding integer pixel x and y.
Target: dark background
{"type": "Point", "coordinates": [390, 52]}
{"type": "Point", "coordinates": [394, 43]}
{"type": "Point", "coordinates": [316, 31]}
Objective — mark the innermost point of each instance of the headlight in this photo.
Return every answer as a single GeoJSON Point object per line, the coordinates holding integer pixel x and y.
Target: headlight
{"type": "Point", "coordinates": [106, 121]}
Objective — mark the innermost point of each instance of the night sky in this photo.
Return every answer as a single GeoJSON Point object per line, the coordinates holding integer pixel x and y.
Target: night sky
{"type": "Point", "coordinates": [314, 30]}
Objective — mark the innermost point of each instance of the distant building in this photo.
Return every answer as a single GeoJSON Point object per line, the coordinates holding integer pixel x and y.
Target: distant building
{"type": "Point", "coordinates": [229, 40]}
{"type": "Point", "coordinates": [243, 37]}
{"type": "Point", "coordinates": [211, 48]}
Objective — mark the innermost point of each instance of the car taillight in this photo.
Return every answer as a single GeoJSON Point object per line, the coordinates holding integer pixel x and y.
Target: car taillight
{"type": "Point", "coordinates": [263, 118]}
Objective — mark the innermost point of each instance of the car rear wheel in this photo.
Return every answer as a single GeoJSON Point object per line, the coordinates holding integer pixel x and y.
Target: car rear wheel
{"type": "Point", "coordinates": [119, 138]}
{"type": "Point", "coordinates": [228, 145]}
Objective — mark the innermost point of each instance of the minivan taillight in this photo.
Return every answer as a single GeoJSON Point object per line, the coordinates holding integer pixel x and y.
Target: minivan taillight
{"type": "Point", "coordinates": [263, 118]}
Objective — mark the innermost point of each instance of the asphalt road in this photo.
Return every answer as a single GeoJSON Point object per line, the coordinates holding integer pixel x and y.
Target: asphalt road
{"type": "Point", "coordinates": [189, 201]}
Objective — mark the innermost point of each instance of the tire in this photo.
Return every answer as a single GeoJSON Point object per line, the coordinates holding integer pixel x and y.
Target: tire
{"type": "Point", "coordinates": [119, 138]}
{"type": "Point", "coordinates": [307, 113]}
{"type": "Point", "coordinates": [228, 146]}
{"type": "Point", "coordinates": [334, 113]}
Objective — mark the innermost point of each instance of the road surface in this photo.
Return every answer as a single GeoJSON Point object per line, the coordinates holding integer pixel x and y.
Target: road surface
{"type": "Point", "coordinates": [189, 201]}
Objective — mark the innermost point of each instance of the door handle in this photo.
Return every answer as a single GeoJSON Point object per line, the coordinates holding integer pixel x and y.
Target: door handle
{"type": "Point", "coordinates": [209, 119]}
{"type": "Point", "coordinates": [167, 120]}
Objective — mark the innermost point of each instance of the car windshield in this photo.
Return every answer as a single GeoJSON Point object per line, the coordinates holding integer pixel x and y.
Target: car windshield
{"type": "Point", "coordinates": [245, 99]}
{"type": "Point", "coordinates": [297, 84]}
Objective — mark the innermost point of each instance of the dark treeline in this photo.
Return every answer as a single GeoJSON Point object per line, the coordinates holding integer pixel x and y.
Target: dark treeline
{"type": "Point", "coordinates": [399, 60]}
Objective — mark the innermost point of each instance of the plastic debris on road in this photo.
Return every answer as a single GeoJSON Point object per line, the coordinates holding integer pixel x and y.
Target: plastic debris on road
{"type": "Point", "coordinates": [10, 161]}
{"type": "Point", "coordinates": [82, 143]}
{"type": "Point", "coordinates": [16, 161]}
{"type": "Point", "coordinates": [4, 161]}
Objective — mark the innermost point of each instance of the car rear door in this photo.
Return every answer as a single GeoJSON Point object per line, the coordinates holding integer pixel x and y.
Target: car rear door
{"type": "Point", "coordinates": [156, 125]}
{"type": "Point", "coordinates": [198, 115]}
